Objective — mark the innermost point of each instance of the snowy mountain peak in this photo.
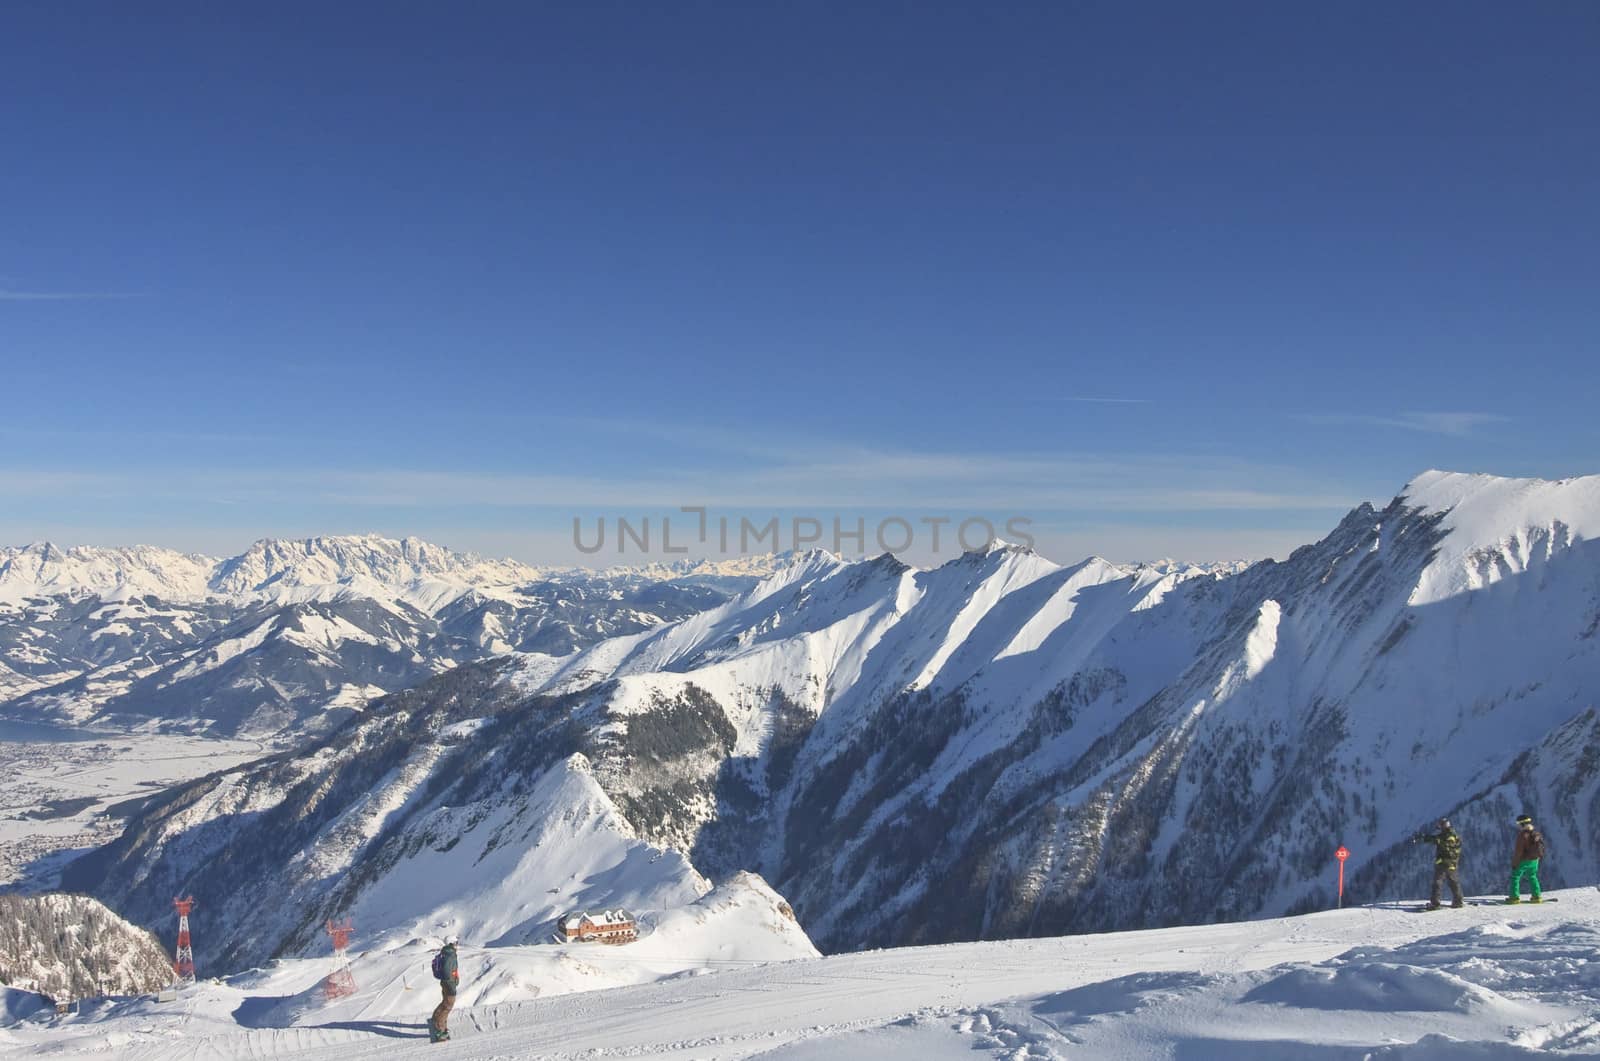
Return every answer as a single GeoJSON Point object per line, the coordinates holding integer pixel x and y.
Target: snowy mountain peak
{"type": "Point", "coordinates": [328, 560]}
{"type": "Point", "coordinates": [800, 567]}
{"type": "Point", "coordinates": [1494, 527]}
{"type": "Point", "coordinates": [757, 565]}
{"type": "Point", "coordinates": [1001, 546]}
{"type": "Point", "coordinates": [44, 568]}
{"type": "Point", "coordinates": [1482, 504]}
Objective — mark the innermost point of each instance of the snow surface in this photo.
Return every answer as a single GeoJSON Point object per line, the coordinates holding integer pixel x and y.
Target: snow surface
{"type": "Point", "coordinates": [508, 872]}
{"type": "Point", "coordinates": [1500, 527]}
{"type": "Point", "coordinates": [1379, 982]}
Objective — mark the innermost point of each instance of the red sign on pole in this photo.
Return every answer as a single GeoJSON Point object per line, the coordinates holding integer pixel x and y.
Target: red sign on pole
{"type": "Point", "coordinates": [1341, 854]}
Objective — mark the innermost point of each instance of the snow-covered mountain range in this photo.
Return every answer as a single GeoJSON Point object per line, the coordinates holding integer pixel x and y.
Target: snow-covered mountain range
{"type": "Point", "coordinates": [267, 642]}
{"type": "Point", "coordinates": [998, 747]}
{"type": "Point", "coordinates": [276, 570]}
{"type": "Point", "coordinates": [271, 569]}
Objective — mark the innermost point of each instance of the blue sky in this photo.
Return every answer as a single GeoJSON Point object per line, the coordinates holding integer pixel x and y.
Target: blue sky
{"type": "Point", "coordinates": [1168, 279]}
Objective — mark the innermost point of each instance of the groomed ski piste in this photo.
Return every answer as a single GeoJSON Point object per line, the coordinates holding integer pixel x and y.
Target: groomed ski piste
{"type": "Point", "coordinates": [1380, 981]}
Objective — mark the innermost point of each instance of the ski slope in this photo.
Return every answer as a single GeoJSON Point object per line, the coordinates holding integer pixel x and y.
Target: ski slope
{"type": "Point", "coordinates": [1374, 982]}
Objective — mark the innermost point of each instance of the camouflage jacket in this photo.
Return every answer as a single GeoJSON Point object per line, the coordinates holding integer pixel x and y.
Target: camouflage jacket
{"type": "Point", "coordinates": [1446, 848]}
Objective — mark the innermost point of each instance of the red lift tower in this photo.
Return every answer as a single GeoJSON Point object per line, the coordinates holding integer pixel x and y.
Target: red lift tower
{"type": "Point", "coordinates": [183, 960]}
{"type": "Point", "coordinates": [341, 981]}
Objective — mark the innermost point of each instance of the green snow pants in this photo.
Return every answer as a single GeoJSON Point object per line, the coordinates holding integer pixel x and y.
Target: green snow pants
{"type": "Point", "coordinates": [1528, 869]}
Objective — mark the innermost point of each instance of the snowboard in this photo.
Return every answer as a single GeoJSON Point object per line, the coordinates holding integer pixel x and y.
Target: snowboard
{"type": "Point", "coordinates": [437, 1036]}
{"type": "Point", "coordinates": [1425, 909]}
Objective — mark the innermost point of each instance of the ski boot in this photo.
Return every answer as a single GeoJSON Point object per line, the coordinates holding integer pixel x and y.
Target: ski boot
{"type": "Point", "coordinates": [1513, 900]}
{"type": "Point", "coordinates": [1536, 899]}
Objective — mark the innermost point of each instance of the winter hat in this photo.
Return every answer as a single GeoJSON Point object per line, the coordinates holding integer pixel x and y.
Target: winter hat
{"type": "Point", "coordinates": [1524, 819]}
{"type": "Point", "coordinates": [1444, 823]}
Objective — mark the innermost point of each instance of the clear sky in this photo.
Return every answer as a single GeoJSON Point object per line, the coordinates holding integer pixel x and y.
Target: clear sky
{"type": "Point", "coordinates": [1167, 278]}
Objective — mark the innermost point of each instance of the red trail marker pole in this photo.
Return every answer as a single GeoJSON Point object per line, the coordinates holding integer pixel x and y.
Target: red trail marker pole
{"type": "Point", "coordinates": [1341, 855]}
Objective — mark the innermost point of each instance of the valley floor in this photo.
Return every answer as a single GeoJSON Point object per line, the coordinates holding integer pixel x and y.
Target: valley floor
{"type": "Point", "coordinates": [63, 792]}
{"type": "Point", "coordinates": [1375, 982]}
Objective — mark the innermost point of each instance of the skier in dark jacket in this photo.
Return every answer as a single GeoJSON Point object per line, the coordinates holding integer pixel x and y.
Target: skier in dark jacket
{"type": "Point", "coordinates": [448, 973]}
{"type": "Point", "coordinates": [1446, 861]}
{"type": "Point", "coordinates": [1525, 861]}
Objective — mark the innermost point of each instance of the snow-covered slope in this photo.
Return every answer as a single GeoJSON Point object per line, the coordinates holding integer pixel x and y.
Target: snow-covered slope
{"type": "Point", "coordinates": [1381, 984]}
{"type": "Point", "coordinates": [506, 872]}
{"type": "Point", "coordinates": [69, 947]}
{"type": "Point", "coordinates": [456, 807]}
{"type": "Point", "coordinates": [738, 924]}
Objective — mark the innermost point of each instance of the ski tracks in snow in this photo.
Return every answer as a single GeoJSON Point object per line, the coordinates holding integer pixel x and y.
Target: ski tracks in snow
{"type": "Point", "coordinates": [1315, 984]}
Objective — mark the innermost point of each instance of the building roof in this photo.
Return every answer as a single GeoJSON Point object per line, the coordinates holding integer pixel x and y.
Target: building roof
{"type": "Point", "coordinates": [617, 917]}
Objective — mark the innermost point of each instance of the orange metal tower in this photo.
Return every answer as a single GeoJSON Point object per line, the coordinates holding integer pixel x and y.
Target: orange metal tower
{"type": "Point", "coordinates": [183, 960]}
{"type": "Point", "coordinates": [341, 981]}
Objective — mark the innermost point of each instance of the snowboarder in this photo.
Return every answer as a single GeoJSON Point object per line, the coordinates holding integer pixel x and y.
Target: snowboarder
{"type": "Point", "coordinates": [1446, 862]}
{"type": "Point", "coordinates": [1525, 861]}
{"type": "Point", "coordinates": [445, 970]}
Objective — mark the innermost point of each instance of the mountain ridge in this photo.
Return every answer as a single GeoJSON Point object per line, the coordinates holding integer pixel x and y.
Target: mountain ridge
{"type": "Point", "coordinates": [268, 640]}
{"type": "Point", "coordinates": [1003, 746]}
{"type": "Point", "coordinates": [287, 569]}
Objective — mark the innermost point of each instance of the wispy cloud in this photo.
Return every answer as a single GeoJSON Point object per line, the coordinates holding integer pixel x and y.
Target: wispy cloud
{"type": "Point", "coordinates": [12, 295]}
{"type": "Point", "coordinates": [1436, 423]}
{"type": "Point", "coordinates": [1118, 505]}
{"type": "Point", "coordinates": [840, 480]}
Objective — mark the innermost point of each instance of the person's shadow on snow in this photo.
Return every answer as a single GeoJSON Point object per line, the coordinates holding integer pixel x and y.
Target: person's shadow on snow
{"type": "Point", "coordinates": [393, 1029]}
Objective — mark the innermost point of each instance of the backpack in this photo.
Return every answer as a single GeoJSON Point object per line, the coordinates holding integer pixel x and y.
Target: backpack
{"type": "Point", "coordinates": [438, 966]}
{"type": "Point", "coordinates": [1537, 844]}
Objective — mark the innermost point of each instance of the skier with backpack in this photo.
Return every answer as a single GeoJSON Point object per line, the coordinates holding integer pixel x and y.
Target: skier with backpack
{"type": "Point", "coordinates": [447, 972]}
{"type": "Point", "coordinates": [1525, 861]}
{"type": "Point", "coordinates": [1446, 862]}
